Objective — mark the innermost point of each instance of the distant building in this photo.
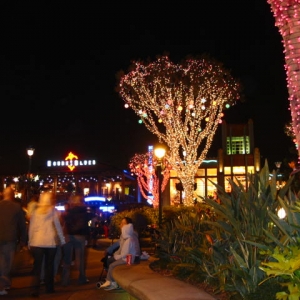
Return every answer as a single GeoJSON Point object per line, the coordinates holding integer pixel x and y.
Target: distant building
{"type": "Point", "coordinates": [237, 158]}
{"type": "Point", "coordinates": [71, 174]}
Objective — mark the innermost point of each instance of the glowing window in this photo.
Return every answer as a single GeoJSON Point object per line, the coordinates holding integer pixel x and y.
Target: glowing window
{"type": "Point", "coordinates": [239, 170]}
{"type": "Point", "coordinates": [227, 170]}
{"type": "Point", "coordinates": [211, 189]}
{"type": "Point", "coordinates": [200, 191]}
{"type": "Point", "coordinates": [250, 169]}
{"type": "Point", "coordinates": [212, 172]}
{"type": "Point", "coordinates": [200, 172]}
{"type": "Point", "coordinates": [238, 145]}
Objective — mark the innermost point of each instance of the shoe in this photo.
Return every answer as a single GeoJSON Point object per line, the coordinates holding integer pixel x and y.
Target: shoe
{"type": "Point", "coordinates": [3, 292]}
{"type": "Point", "coordinates": [112, 286]}
{"type": "Point", "coordinates": [105, 284]}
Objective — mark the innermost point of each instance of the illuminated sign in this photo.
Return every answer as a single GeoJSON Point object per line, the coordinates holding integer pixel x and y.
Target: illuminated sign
{"type": "Point", "coordinates": [94, 198]}
{"type": "Point", "coordinates": [71, 161]}
{"type": "Point", "coordinates": [107, 208]}
{"type": "Point", "coordinates": [70, 157]}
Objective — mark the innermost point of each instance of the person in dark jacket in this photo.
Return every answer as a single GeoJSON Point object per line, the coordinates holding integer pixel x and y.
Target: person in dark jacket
{"type": "Point", "coordinates": [76, 230]}
{"type": "Point", "coordinates": [12, 230]}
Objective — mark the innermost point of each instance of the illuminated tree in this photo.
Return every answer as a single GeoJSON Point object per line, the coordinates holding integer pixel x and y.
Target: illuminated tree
{"type": "Point", "coordinates": [143, 167]}
{"type": "Point", "coordinates": [287, 19]}
{"type": "Point", "coordinates": [289, 131]}
{"type": "Point", "coordinates": [182, 105]}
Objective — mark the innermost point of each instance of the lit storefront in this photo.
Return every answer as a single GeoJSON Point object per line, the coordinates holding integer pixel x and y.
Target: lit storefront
{"type": "Point", "coordinates": [235, 161]}
{"type": "Point", "coordinates": [74, 175]}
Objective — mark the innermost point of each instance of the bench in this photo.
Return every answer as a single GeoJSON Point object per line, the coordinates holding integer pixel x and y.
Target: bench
{"type": "Point", "coordinates": [142, 283]}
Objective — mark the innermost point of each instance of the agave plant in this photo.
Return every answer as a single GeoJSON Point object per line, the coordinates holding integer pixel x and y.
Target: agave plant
{"type": "Point", "coordinates": [228, 246]}
{"type": "Point", "coordinates": [183, 231]}
{"type": "Point", "coordinates": [243, 227]}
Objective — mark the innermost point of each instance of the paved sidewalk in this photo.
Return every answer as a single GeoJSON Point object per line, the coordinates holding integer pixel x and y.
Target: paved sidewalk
{"type": "Point", "coordinates": [21, 280]}
{"type": "Point", "coordinates": [139, 280]}
{"type": "Point", "coordinates": [72, 292]}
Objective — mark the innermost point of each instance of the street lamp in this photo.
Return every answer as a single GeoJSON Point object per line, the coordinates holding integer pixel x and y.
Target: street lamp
{"type": "Point", "coordinates": [159, 152]}
{"type": "Point", "coordinates": [30, 152]}
{"type": "Point", "coordinates": [278, 175]}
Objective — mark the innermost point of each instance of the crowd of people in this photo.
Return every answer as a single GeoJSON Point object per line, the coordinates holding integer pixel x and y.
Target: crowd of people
{"type": "Point", "coordinates": [56, 238]}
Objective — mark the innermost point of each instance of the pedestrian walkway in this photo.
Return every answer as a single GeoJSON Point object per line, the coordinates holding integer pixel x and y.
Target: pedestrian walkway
{"type": "Point", "coordinates": [21, 280]}
{"type": "Point", "coordinates": [137, 282]}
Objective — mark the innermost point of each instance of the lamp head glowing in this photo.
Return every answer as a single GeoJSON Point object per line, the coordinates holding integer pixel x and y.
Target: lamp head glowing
{"type": "Point", "coordinates": [30, 151]}
{"type": "Point", "coordinates": [159, 152]}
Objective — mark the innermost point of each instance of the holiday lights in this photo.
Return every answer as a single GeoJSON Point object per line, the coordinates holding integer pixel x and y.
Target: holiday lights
{"type": "Point", "coordinates": [146, 176]}
{"type": "Point", "coordinates": [182, 105]}
{"type": "Point", "coordinates": [287, 19]}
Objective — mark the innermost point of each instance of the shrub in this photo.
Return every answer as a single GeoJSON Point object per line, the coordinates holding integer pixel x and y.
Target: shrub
{"type": "Point", "coordinates": [220, 242]}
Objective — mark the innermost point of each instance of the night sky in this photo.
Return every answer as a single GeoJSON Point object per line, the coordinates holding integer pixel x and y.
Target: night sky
{"type": "Point", "coordinates": [59, 62]}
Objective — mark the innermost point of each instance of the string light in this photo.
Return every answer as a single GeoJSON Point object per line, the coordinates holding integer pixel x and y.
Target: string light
{"type": "Point", "coordinates": [182, 105]}
{"type": "Point", "coordinates": [287, 19]}
{"type": "Point", "coordinates": [146, 176]}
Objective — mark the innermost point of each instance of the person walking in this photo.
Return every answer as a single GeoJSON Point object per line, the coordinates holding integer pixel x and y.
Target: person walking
{"type": "Point", "coordinates": [76, 229]}
{"type": "Point", "coordinates": [12, 231]}
{"type": "Point", "coordinates": [31, 206]}
{"type": "Point", "coordinates": [45, 235]}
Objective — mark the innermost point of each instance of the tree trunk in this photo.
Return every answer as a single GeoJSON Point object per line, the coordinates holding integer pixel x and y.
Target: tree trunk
{"type": "Point", "coordinates": [287, 14]}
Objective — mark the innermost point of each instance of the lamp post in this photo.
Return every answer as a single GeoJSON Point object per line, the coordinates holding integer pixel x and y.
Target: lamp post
{"type": "Point", "coordinates": [30, 152]}
{"type": "Point", "coordinates": [159, 152]}
{"type": "Point", "coordinates": [278, 175]}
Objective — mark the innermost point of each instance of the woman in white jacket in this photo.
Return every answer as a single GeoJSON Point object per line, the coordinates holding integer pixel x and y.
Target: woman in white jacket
{"type": "Point", "coordinates": [45, 234]}
{"type": "Point", "coordinates": [129, 245]}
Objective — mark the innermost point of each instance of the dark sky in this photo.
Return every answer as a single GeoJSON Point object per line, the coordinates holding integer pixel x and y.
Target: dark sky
{"type": "Point", "coordinates": [59, 62]}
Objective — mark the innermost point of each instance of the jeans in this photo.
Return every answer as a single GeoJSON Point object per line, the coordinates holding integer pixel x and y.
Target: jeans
{"type": "Point", "coordinates": [7, 252]}
{"type": "Point", "coordinates": [57, 261]}
{"type": "Point", "coordinates": [76, 243]}
{"type": "Point", "coordinates": [111, 267]}
{"type": "Point", "coordinates": [39, 254]}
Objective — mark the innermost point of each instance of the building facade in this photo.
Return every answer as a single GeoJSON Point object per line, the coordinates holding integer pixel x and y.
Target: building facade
{"type": "Point", "coordinates": [235, 160]}
{"type": "Point", "coordinates": [72, 174]}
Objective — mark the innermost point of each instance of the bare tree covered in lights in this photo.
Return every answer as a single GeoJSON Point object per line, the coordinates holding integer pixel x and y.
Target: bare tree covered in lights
{"type": "Point", "coordinates": [182, 105]}
{"type": "Point", "coordinates": [287, 19]}
{"type": "Point", "coordinates": [147, 180]}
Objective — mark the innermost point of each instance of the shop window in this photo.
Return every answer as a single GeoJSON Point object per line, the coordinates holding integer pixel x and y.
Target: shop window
{"type": "Point", "coordinates": [206, 188]}
{"type": "Point", "coordinates": [200, 172]}
{"type": "Point", "coordinates": [211, 188]}
{"type": "Point", "coordinates": [200, 191]}
{"type": "Point", "coordinates": [239, 170]}
{"type": "Point", "coordinates": [227, 170]}
{"type": "Point", "coordinates": [174, 194]}
{"type": "Point", "coordinates": [237, 179]}
{"type": "Point", "coordinates": [211, 172]}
